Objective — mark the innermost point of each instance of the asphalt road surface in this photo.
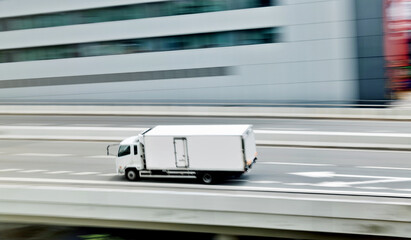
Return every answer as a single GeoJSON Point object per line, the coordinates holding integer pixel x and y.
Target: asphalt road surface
{"type": "Point", "coordinates": [363, 172]}
{"type": "Point", "coordinates": [259, 123]}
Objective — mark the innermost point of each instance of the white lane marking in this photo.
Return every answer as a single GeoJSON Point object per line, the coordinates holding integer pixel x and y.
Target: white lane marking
{"type": "Point", "coordinates": [378, 179]}
{"type": "Point", "coordinates": [84, 125]}
{"type": "Point", "coordinates": [33, 171]}
{"type": "Point", "coordinates": [10, 170]}
{"type": "Point", "coordinates": [84, 173]}
{"type": "Point", "coordinates": [30, 124]}
{"type": "Point", "coordinates": [333, 174]}
{"type": "Point", "coordinates": [406, 190]}
{"type": "Point", "coordinates": [297, 184]}
{"type": "Point", "coordinates": [299, 164]}
{"type": "Point", "coordinates": [287, 129]}
{"type": "Point", "coordinates": [405, 135]}
{"type": "Point", "coordinates": [382, 131]}
{"type": "Point", "coordinates": [110, 184]}
{"type": "Point", "coordinates": [58, 172]}
{"type": "Point", "coordinates": [387, 168]}
{"type": "Point", "coordinates": [333, 149]}
{"type": "Point", "coordinates": [349, 184]}
{"type": "Point", "coordinates": [264, 182]}
{"type": "Point", "coordinates": [101, 156]}
{"type": "Point", "coordinates": [72, 128]}
{"type": "Point", "coordinates": [108, 174]}
{"type": "Point", "coordinates": [43, 154]}
{"type": "Point", "coordinates": [373, 188]}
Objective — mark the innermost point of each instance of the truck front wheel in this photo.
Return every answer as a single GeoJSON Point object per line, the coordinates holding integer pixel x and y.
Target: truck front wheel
{"type": "Point", "coordinates": [132, 174]}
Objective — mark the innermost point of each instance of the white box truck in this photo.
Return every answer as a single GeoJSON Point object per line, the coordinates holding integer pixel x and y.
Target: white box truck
{"type": "Point", "coordinates": [206, 152]}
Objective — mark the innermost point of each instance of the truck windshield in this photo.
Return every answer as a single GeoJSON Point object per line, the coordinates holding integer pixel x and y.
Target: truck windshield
{"type": "Point", "coordinates": [123, 150]}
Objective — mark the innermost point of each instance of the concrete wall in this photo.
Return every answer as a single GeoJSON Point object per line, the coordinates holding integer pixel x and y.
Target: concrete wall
{"type": "Point", "coordinates": [370, 40]}
{"type": "Point", "coordinates": [315, 59]}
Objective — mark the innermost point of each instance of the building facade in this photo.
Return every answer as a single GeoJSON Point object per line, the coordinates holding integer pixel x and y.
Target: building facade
{"type": "Point", "coordinates": [225, 51]}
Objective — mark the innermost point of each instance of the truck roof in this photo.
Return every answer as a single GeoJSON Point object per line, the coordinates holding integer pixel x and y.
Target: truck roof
{"type": "Point", "coordinates": [203, 130]}
{"type": "Point", "coordinates": [129, 140]}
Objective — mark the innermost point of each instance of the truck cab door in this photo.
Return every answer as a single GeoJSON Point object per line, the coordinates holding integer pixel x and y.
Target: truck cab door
{"type": "Point", "coordinates": [137, 156]}
{"type": "Point", "coordinates": [123, 158]}
{"type": "Point", "coordinates": [128, 156]}
{"type": "Point", "coordinates": [181, 152]}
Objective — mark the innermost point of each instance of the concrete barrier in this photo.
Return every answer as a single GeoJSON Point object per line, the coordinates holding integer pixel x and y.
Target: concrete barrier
{"type": "Point", "coordinates": [256, 213]}
{"type": "Point", "coordinates": [394, 113]}
{"type": "Point", "coordinates": [387, 141]}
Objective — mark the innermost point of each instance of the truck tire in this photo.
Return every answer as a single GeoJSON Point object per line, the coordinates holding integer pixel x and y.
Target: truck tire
{"type": "Point", "coordinates": [207, 178]}
{"type": "Point", "coordinates": [132, 174]}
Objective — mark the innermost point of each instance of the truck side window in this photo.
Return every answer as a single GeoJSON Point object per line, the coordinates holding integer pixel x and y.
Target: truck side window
{"type": "Point", "coordinates": [123, 150]}
{"type": "Point", "coordinates": [135, 149]}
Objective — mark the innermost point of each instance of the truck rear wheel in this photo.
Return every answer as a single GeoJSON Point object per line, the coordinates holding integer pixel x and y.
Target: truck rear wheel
{"type": "Point", "coordinates": [132, 174]}
{"type": "Point", "coordinates": [207, 178]}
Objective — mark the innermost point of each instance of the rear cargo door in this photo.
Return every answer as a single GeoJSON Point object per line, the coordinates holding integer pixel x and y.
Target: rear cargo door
{"type": "Point", "coordinates": [181, 152]}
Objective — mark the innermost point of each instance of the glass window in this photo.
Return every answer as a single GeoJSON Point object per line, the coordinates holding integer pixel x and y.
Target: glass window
{"type": "Point", "coordinates": [135, 150]}
{"type": "Point", "coordinates": [156, 10]}
{"type": "Point", "coordinates": [265, 3]}
{"type": "Point", "coordinates": [56, 19]}
{"type": "Point", "coordinates": [91, 16]}
{"type": "Point", "coordinates": [124, 150]}
{"type": "Point", "coordinates": [135, 11]}
{"type": "Point", "coordinates": [19, 23]}
{"type": "Point", "coordinates": [241, 4]}
{"type": "Point", "coordinates": [3, 57]}
{"type": "Point", "coordinates": [169, 43]}
{"type": "Point", "coordinates": [224, 39]}
{"type": "Point", "coordinates": [41, 21]}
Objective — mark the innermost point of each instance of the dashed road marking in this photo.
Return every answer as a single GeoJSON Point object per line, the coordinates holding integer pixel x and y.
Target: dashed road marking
{"type": "Point", "coordinates": [101, 156]}
{"type": "Point", "coordinates": [43, 154]}
{"type": "Point", "coordinates": [10, 170]}
{"type": "Point", "coordinates": [264, 182]}
{"type": "Point", "coordinates": [373, 188]}
{"type": "Point", "coordinates": [299, 164]}
{"type": "Point", "coordinates": [84, 173]}
{"type": "Point", "coordinates": [58, 172]}
{"type": "Point", "coordinates": [287, 129]}
{"type": "Point", "coordinates": [55, 172]}
{"type": "Point", "coordinates": [33, 171]}
{"type": "Point", "coordinates": [405, 190]}
{"type": "Point", "coordinates": [296, 184]}
{"type": "Point", "coordinates": [386, 168]}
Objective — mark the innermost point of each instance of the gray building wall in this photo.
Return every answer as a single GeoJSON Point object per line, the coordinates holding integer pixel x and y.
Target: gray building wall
{"type": "Point", "coordinates": [314, 61]}
{"type": "Point", "coordinates": [370, 44]}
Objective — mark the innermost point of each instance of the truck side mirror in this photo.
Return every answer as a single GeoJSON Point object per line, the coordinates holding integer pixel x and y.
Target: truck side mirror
{"type": "Point", "coordinates": [112, 152]}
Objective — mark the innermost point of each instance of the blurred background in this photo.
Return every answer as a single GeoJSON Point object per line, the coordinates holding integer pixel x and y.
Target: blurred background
{"type": "Point", "coordinates": [309, 76]}
{"type": "Point", "coordinates": [210, 51]}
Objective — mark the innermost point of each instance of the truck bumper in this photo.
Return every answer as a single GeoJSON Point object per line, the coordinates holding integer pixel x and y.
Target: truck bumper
{"type": "Point", "coordinates": [120, 171]}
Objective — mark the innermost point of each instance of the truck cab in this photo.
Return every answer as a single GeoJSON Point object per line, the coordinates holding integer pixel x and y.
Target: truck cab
{"type": "Point", "coordinates": [130, 156]}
